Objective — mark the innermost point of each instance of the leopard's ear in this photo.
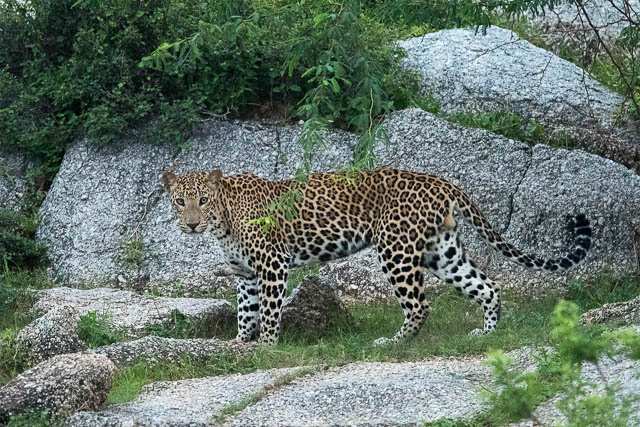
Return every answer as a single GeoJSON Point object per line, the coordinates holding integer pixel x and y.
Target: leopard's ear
{"type": "Point", "coordinates": [213, 178]}
{"type": "Point", "coordinates": [169, 180]}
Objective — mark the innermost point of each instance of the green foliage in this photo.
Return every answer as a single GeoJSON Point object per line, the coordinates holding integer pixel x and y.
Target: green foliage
{"type": "Point", "coordinates": [512, 126]}
{"type": "Point", "coordinates": [134, 251]}
{"type": "Point", "coordinates": [16, 300]}
{"type": "Point", "coordinates": [520, 393]}
{"type": "Point", "coordinates": [18, 248]}
{"type": "Point", "coordinates": [415, 17]}
{"type": "Point", "coordinates": [573, 346]}
{"type": "Point", "coordinates": [96, 332]}
{"type": "Point", "coordinates": [34, 418]}
{"type": "Point", "coordinates": [70, 68]}
{"type": "Point", "coordinates": [12, 359]}
{"type": "Point", "coordinates": [560, 371]}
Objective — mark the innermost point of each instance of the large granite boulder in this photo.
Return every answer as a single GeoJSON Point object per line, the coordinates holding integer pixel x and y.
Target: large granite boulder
{"type": "Point", "coordinates": [54, 333]}
{"type": "Point", "coordinates": [132, 314]}
{"type": "Point", "coordinates": [468, 71]}
{"type": "Point", "coordinates": [63, 385]}
{"type": "Point", "coordinates": [103, 195]}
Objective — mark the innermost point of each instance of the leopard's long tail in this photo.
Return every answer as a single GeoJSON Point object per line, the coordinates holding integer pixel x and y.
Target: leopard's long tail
{"type": "Point", "coordinates": [579, 223]}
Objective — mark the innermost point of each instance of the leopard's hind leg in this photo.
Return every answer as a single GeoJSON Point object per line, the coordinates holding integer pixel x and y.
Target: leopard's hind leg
{"type": "Point", "coordinates": [447, 260]}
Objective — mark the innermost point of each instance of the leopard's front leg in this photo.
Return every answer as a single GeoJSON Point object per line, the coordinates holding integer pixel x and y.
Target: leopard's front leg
{"type": "Point", "coordinates": [272, 281]}
{"type": "Point", "coordinates": [248, 307]}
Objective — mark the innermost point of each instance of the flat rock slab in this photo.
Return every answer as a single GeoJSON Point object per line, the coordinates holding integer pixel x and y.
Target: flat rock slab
{"type": "Point", "coordinates": [354, 394]}
{"type": "Point", "coordinates": [374, 393]}
{"type": "Point", "coordinates": [131, 313]}
{"type": "Point", "coordinates": [194, 402]}
{"type": "Point", "coordinates": [153, 350]}
{"type": "Point", "coordinates": [467, 70]}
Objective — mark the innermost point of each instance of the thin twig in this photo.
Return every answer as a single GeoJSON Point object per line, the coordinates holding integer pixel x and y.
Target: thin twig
{"type": "Point", "coordinates": [606, 48]}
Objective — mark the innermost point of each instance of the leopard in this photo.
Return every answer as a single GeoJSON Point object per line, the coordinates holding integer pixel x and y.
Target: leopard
{"type": "Point", "coordinates": [410, 218]}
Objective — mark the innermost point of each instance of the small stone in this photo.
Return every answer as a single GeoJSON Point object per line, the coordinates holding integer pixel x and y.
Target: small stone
{"type": "Point", "coordinates": [312, 308]}
{"type": "Point", "coordinates": [63, 385]}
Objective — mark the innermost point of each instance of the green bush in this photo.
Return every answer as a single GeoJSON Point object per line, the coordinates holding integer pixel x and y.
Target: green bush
{"type": "Point", "coordinates": [18, 248]}
{"type": "Point", "coordinates": [101, 69]}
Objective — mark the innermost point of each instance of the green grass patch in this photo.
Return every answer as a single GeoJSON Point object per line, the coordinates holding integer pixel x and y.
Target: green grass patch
{"type": "Point", "coordinates": [32, 418]}
{"type": "Point", "coordinates": [525, 322]}
{"type": "Point", "coordinates": [95, 331]}
{"type": "Point", "coordinates": [603, 289]}
{"type": "Point", "coordinates": [181, 327]}
{"type": "Point", "coordinates": [16, 300]}
{"type": "Point", "coordinates": [297, 274]}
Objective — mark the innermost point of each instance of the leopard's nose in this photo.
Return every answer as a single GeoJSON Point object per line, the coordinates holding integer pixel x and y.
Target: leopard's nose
{"type": "Point", "coordinates": [193, 226]}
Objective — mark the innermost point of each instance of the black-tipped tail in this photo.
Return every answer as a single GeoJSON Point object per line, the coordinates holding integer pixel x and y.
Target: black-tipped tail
{"type": "Point", "coordinates": [580, 225]}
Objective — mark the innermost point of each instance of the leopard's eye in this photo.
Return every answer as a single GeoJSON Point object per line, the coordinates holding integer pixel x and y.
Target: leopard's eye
{"type": "Point", "coordinates": [180, 202]}
{"type": "Point", "coordinates": [203, 200]}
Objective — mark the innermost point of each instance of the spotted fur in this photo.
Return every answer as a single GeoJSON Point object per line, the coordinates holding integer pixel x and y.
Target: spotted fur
{"type": "Point", "coordinates": [407, 216]}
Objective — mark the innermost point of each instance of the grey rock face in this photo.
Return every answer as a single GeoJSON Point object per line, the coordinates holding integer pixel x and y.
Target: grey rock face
{"type": "Point", "coordinates": [54, 333]}
{"type": "Point", "coordinates": [194, 402]}
{"type": "Point", "coordinates": [153, 350]}
{"type": "Point", "coordinates": [567, 25]}
{"type": "Point", "coordinates": [526, 194]}
{"type": "Point", "coordinates": [312, 307]}
{"type": "Point", "coordinates": [469, 71]}
{"type": "Point", "coordinates": [63, 384]}
{"type": "Point", "coordinates": [13, 182]}
{"type": "Point", "coordinates": [626, 311]}
{"type": "Point", "coordinates": [131, 313]}
{"type": "Point", "coordinates": [104, 197]}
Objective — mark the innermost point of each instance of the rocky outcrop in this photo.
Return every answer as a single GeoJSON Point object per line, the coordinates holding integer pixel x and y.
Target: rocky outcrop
{"type": "Point", "coordinates": [13, 181]}
{"type": "Point", "coordinates": [471, 71]}
{"type": "Point", "coordinates": [313, 308]}
{"type": "Point", "coordinates": [627, 312]}
{"type": "Point", "coordinates": [153, 350]}
{"type": "Point", "coordinates": [468, 71]}
{"type": "Point", "coordinates": [54, 333]}
{"type": "Point", "coordinates": [62, 385]}
{"type": "Point", "coordinates": [131, 313]}
{"type": "Point", "coordinates": [358, 393]}
{"type": "Point", "coordinates": [103, 195]}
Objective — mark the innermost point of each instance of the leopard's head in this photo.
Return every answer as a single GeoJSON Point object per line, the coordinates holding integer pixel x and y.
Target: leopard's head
{"type": "Point", "coordinates": [194, 198]}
